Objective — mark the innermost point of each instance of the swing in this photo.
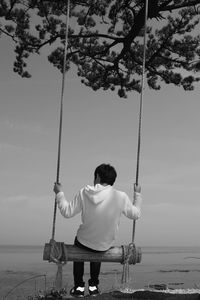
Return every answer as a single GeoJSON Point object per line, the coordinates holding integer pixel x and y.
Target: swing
{"type": "Point", "coordinates": [59, 252]}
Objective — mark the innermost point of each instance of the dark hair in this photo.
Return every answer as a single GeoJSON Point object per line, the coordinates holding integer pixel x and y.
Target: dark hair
{"type": "Point", "coordinates": [107, 174]}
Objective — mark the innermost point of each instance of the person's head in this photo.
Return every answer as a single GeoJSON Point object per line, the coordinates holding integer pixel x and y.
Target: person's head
{"type": "Point", "coordinates": [105, 174]}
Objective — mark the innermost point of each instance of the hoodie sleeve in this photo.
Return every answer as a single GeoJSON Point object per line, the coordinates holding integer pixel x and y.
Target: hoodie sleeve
{"type": "Point", "coordinates": [69, 209]}
{"type": "Point", "coordinates": [132, 211]}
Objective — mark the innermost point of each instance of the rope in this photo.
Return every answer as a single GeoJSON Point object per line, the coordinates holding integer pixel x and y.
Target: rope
{"type": "Point", "coordinates": [125, 274]}
{"type": "Point", "coordinates": [58, 281]}
{"type": "Point", "coordinates": [61, 114]}
{"type": "Point", "coordinates": [141, 106]}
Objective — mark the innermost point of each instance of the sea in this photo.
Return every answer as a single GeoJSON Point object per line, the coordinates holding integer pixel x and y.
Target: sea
{"type": "Point", "coordinates": [24, 273]}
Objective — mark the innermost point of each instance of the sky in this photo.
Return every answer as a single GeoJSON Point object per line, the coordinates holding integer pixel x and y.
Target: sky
{"type": "Point", "coordinates": [98, 127]}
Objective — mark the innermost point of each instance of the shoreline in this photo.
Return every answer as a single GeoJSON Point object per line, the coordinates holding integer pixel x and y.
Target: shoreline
{"type": "Point", "coordinates": [134, 295]}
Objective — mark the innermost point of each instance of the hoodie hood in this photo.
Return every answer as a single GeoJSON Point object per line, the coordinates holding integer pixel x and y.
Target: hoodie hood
{"type": "Point", "coordinates": [97, 193]}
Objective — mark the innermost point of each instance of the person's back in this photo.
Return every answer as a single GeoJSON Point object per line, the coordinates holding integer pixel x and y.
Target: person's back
{"type": "Point", "coordinates": [102, 206]}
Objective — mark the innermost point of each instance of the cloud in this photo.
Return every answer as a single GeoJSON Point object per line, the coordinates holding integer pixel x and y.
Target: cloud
{"type": "Point", "coordinates": [25, 127]}
{"type": "Point", "coordinates": [23, 201]}
{"type": "Point", "coordinates": [15, 201]}
{"type": "Point", "coordinates": [10, 147]}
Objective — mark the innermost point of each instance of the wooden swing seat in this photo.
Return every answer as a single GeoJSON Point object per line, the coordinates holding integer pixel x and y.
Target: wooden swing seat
{"type": "Point", "coordinates": [121, 254]}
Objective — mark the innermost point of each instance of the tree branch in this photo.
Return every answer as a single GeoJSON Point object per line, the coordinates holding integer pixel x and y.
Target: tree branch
{"type": "Point", "coordinates": [98, 35]}
{"type": "Point", "coordinates": [8, 34]}
{"type": "Point", "coordinates": [178, 6]}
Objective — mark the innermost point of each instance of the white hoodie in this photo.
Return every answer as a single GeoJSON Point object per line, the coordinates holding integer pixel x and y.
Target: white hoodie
{"type": "Point", "coordinates": [101, 208]}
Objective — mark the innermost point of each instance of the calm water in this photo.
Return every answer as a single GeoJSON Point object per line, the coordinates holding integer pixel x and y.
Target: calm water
{"type": "Point", "coordinates": [179, 267]}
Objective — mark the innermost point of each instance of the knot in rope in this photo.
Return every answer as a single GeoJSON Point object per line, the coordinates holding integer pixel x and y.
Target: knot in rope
{"type": "Point", "coordinates": [58, 253]}
{"type": "Point", "coordinates": [129, 254]}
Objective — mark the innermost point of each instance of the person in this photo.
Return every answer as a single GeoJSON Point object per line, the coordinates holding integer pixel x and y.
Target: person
{"type": "Point", "coordinates": [101, 207]}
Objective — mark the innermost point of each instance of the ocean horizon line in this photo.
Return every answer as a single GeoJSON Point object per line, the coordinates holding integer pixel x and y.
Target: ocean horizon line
{"type": "Point", "coordinates": [143, 246]}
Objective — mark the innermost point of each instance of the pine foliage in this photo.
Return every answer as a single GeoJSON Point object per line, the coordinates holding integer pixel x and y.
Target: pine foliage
{"type": "Point", "coordinates": [106, 40]}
